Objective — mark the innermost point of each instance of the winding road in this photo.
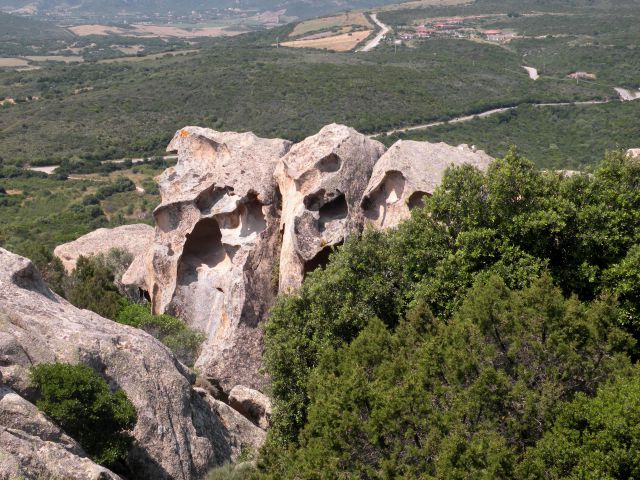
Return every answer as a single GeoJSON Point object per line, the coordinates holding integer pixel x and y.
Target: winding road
{"type": "Point", "coordinates": [384, 29]}
{"type": "Point", "coordinates": [487, 113]}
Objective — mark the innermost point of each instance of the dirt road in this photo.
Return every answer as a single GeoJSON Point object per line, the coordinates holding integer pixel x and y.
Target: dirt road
{"type": "Point", "coordinates": [487, 113]}
{"type": "Point", "coordinates": [384, 29]}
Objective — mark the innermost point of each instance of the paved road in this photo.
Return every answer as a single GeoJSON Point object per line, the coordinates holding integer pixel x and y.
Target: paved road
{"type": "Point", "coordinates": [488, 113]}
{"type": "Point", "coordinates": [384, 29]}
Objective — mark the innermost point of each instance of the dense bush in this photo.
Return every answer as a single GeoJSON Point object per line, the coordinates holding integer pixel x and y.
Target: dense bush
{"type": "Point", "coordinates": [173, 332]}
{"type": "Point", "coordinates": [91, 286]}
{"type": "Point", "coordinates": [79, 400]}
{"type": "Point", "coordinates": [494, 348]}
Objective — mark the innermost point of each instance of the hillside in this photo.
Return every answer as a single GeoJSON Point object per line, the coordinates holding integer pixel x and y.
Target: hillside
{"type": "Point", "coordinates": [20, 30]}
{"type": "Point", "coordinates": [122, 8]}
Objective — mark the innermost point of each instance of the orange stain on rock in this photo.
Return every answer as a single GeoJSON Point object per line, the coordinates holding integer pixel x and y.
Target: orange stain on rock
{"type": "Point", "coordinates": [184, 133]}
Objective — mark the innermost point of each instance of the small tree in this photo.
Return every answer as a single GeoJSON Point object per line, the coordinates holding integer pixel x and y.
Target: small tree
{"type": "Point", "coordinates": [80, 401]}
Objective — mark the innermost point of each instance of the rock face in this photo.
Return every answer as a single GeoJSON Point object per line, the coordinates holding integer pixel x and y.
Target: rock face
{"type": "Point", "coordinates": [215, 245]}
{"type": "Point", "coordinates": [33, 447]}
{"type": "Point", "coordinates": [134, 239]}
{"type": "Point", "coordinates": [254, 405]}
{"type": "Point", "coordinates": [178, 435]}
{"type": "Point", "coordinates": [407, 173]}
{"type": "Point", "coordinates": [243, 218]}
{"type": "Point", "coordinates": [321, 180]}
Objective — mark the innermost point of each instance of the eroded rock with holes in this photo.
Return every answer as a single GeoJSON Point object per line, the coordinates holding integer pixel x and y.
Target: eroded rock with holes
{"type": "Point", "coordinates": [133, 239]}
{"type": "Point", "coordinates": [408, 172]}
{"type": "Point", "coordinates": [215, 246]}
{"type": "Point", "coordinates": [177, 435]}
{"type": "Point", "coordinates": [321, 180]}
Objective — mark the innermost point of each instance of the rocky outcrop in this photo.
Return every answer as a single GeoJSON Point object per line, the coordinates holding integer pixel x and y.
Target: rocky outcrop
{"type": "Point", "coordinates": [243, 218]}
{"type": "Point", "coordinates": [254, 405]}
{"type": "Point", "coordinates": [134, 239]}
{"type": "Point", "coordinates": [633, 152]}
{"type": "Point", "coordinates": [31, 446]}
{"type": "Point", "coordinates": [407, 173]}
{"type": "Point", "coordinates": [215, 245]}
{"type": "Point", "coordinates": [321, 181]}
{"type": "Point", "coordinates": [178, 435]}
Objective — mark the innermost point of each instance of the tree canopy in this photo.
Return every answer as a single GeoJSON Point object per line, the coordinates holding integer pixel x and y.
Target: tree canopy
{"type": "Point", "coordinates": [450, 346]}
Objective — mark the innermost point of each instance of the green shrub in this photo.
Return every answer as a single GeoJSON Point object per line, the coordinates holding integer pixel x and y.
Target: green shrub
{"type": "Point", "coordinates": [241, 471]}
{"type": "Point", "coordinates": [173, 332]}
{"type": "Point", "coordinates": [592, 437]}
{"type": "Point", "coordinates": [79, 400]}
{"type": "Point", "coordinates": [91, 286]}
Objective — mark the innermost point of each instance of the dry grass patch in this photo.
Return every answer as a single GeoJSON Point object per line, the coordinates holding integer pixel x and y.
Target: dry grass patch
{"type": "Point", "coordinates": [337, 43]}
{"type": "Point", "coordinates": [13, 62]}
{"type": "Point", "coordinates": [55, 58]}
{"type": "Point", "coordinates": [336, 21]}
{"type": "Point", "coordinates": [150, 31]}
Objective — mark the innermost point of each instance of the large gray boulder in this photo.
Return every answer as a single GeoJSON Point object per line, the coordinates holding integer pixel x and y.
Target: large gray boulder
{"type": "Point", "coordinates": [321, 181]}
{"type": "Point", "coordinates": [215, 244]}
{"type": "Point", "coordinates": [253, 404]}
{"type": "Point", "coordinates": [408, 172]}
{"type": "Point", "coordinates": [134, 239]}
{"type": "Point", "coordinates": [177, 436]}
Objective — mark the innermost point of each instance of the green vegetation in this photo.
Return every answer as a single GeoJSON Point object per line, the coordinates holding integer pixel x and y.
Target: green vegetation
{"type": "Point", "coordinates": [592, 437]}
{"type": "Point", "coordinates": [174, 333]}
{"type": "Point", "coordinates": [552, 137]}
{"type": "Point", "coordinates": [79, 400]}
{"type": "Point", "coordinates": [134, 109]}
{"type": "Point", "coordinates": [42, 212]}
{"type": "Point", "coordinates": [451, 346]}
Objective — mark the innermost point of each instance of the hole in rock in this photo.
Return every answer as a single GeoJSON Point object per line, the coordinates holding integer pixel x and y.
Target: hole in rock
{"type": "Point", "coordinates": [330, 163]}
{"type": "Point", "coordinates": [313, 201]}
{"type": "Point", "coordinates": [203, 247]}
{"type": "Point", "coordinates": [336, 209]}
{"type": "Point", "coordinates": [387, 193]}
{"type": "Point", "coordinates": [207, 199]}
{"type": "Point", "coordinates": [416, 200]}
{"type": "Point", "coordinates": [246, 220]}
{"type": "Point", "coordinates": [320, 260]}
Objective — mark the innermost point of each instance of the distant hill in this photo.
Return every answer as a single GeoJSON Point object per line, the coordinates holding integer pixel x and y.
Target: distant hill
{"type": "Point", "coordinates": [293, 8]}
{"type": "Point", "coordinates": [20, 29]}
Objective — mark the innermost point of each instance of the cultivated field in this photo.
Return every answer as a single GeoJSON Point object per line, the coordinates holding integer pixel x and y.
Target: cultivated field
{"type": "Point", "coordinates": [337, 43]}
{"type": "Point", "coordinates": [13, 62]}
{"type": "Point", "coordinates": [336, 21]}
{"type": "Point", "coordinates": [149, 31]}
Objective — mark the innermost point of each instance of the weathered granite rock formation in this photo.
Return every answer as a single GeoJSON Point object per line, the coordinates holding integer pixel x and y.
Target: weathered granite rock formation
{"type": "Point", "coordinates": [134, 239]}
{"type": "Point", "coordinates": [31, 446]}
{"type": "Point", "coordinates": [240, 214]}
{"type": "Point", "coordinates": [321, 180]}
{"type": "Point", "coordinates": [407, 172]}
{"type": "Point", "coordinates": [215, 245]}
{"type": "Point", "coordinates": [178, 434]}
{"type": "Point", "coordinates": [254, 405]}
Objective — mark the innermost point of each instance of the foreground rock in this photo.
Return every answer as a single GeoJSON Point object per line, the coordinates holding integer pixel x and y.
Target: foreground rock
{"type": "Point", "coordinates": [178, 435]}
{"type": "Point", "coordinates": [321, 180]}
{"type": "Point", "coordinates": [133, 239]}
{"type": "Point", "coordinates": [215, 245]}
{"type": "Point", "coordinates": [407, 173]}
{"type": "Point", "coordinates": [31, 446]}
